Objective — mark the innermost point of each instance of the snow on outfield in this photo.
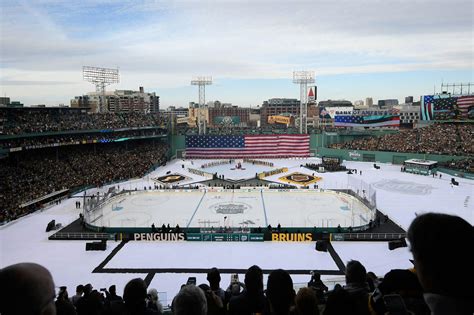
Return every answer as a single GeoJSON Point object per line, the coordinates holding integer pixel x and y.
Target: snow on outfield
{"type": "Point", "coordinates": [69, 263]}
{"type": "Point", "coordinates": [375, 256]}
{"type": "Point", "coordinates": [271, 255]}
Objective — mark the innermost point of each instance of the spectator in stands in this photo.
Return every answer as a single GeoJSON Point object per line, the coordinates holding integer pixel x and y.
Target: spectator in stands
{"type": "Point", "coordinates": [111, 296]}
{"type": "Point", "coordinates": [190, 300]}
{"type": "Point", "coordinates": [153, 301]}
{"type": "Point", "coordinates": [356, 285]}
{"type": "Point", "coordinates": [354, 295]}
{"type": "Point", "coordinates": [63, 305]}
{"type": "Point", "coordinates": [82, 305]}
{"type": "Point", "coordinates": [317, 285]}
{"type": "Point", "coordinates": [235, 287]}
{"type": "Point", "coordinates": [214, 278]}
{"type": "Point", "coordinates": [451, 139]}
{"type": "Point", "coordinates": [446, 278]}
{"type": "Point", "coordinates": [372, 281]}
{"type": "Point", "coordinates": [134, 297]}
{"type": "Point", "coordinates": [51, 170]}
{"type": "Point", "coordinates": [339, 302]}
{"type": "Point", "coordinates": [91, 303]}
{"type": "Point", "coordinates": [215, 305]}
{"type": "Point", "coordinates": [79, 291]}
{"type": "Point", "coordinates": [26, 288]}
{"type": "Point", "coordinates": [280, 293]}
{"type": "Point", "coordinates": [403, 283]}
{"type": "Point", "coordinates": [252, 299]}
{"type": "Point", "coordinates": [306, 302]}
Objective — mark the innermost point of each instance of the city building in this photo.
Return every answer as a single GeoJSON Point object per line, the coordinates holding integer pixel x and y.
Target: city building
{"type": "Point", "coordinates": [369, 102]}
{"type": "Point", "coordinates": [4, 101]}
{"type": "Point", "coordinates": [388, 103]}
{"type": "Point", "coordinates": [279, 107]}
{"type": "Point", "coordinates": [254, 116]}
{"type": "Point", "coordinates": [229, 116]}
{"type": "Point", "coordinates": [15, 104]}
{"type": "Point", "coordinates": [120, 101]}
{"type": "Point", "coordinates": [409, 114]}
{"type": "Point", "coordinates": [359, 104]}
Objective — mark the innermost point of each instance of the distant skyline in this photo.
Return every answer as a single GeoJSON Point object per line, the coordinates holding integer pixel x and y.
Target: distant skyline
{"type": "Point", "coordinates": [357, 49]}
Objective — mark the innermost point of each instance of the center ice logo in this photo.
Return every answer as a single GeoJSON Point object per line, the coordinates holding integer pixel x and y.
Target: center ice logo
{"type": "Point", "coordinates": [231, 208]}
{"type": "Point", "coordinates": [300, 178]}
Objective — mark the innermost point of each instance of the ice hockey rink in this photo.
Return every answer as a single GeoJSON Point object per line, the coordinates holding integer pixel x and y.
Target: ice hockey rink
{"type": "Point", "coordinates": [399, 195]}
{"type": "Point", "coordinates": [240, 208]}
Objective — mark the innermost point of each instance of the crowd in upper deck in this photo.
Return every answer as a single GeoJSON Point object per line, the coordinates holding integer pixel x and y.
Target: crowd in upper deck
{"type": "Point", "coordinates": [450, 139]}
{"type": "Point", "coordinates": [28, 175]}
{"type": "Point", "coordinates": [27, 121]}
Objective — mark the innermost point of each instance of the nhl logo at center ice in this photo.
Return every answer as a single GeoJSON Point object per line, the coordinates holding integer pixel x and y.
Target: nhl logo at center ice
{"type": "Point", "coordinates": [231, 207]}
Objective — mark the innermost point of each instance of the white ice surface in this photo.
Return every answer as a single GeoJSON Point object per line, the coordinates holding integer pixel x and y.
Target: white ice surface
{"type": "Point", "coordinates": [194, 208]}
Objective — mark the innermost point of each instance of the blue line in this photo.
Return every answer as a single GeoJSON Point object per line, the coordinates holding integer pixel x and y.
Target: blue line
{"type": "Point", "coordinates": [264, 209]}
{"type": "Point", "coordinates": [196, 209]}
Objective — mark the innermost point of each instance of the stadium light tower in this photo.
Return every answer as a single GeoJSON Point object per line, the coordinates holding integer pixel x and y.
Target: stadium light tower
{"type": "Point", "coordinates": [303, 78]}
{"type": "Point", "coordinates": [202, 82]}
{"type": "Point", "coordinates": [100, 77]}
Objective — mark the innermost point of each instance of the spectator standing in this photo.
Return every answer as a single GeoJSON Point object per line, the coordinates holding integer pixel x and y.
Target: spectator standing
{"type": "Point", "coordinates": [446, 278]}
{"type": "Point", "coordinates": [306, 302]}
{"type": "Point", "coordinates": [280, 293]}
{"type": "Point", "coordinates": [78, 295]}
{"type": "Point", "coordinates": [214, 278]}
{"type": "Point", "coordinates": [26, 288]}
{"type": "Point", "coordinates": [63, 305]}
{"type": "Point", "coordinates": [190, 300]}
{"type": "Point", "coordinates": [318, 286]}
{"type": "Point", "coordinates": [252, 299]}
{"type": "Point", "coordinates": [153, 301]}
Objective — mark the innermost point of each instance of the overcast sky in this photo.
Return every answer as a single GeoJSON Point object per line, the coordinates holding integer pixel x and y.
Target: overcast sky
{"type": "Point", "coordinates": [357, 49]}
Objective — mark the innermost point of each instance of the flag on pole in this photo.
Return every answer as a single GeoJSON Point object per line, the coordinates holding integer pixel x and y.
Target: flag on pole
{"type": "Point", "coordinates": [367, 121]}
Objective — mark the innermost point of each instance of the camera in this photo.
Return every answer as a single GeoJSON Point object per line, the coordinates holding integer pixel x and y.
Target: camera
{"type": "Point", "coordinates": [191, 280]}
{"type": "Point", "coordinates": [234, 278]}
{"type": "Point", "coordinates": [103, 289]}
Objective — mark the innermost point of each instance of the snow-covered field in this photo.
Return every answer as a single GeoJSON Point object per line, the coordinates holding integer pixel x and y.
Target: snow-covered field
{"type": "Point", "coordinates": [400, 195]}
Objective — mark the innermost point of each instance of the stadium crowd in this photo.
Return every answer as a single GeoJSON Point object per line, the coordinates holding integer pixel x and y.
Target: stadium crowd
{"type": "Point", "coordinates": [463, 165]}
{"type": "Point", "coordinates": [101, 137]}
{"type": "Point", "coordinates": [437, 284]}
{"type": "Point", "coordinates": [27, 120]}
{"type": "Point", "coordinates": [26, 176]}
{"type": "Point", "coordinates": [451, 139]}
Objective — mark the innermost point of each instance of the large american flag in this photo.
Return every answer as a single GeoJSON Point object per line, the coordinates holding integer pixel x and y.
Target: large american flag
{"type": "Point", "coordinates": [464, 103]}
{"type": "Point", "coordinates": [367, 121]}
{"type": "Point", "coordinates": [248, 146]}
{"type": "Point", "coordinates": [426, 108]}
